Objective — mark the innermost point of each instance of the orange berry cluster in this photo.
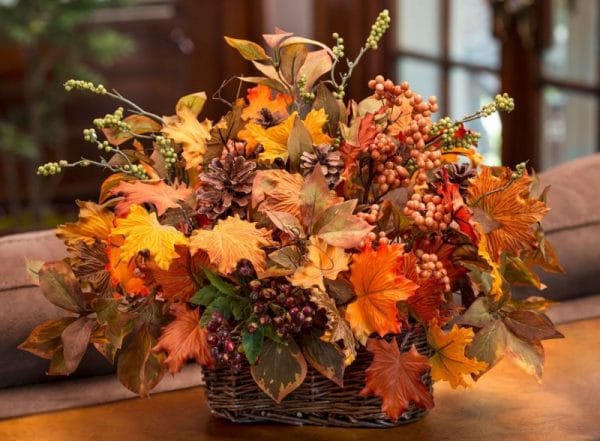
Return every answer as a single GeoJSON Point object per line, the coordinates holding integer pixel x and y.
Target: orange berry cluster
{"type": "Point", "coordinates": [389, 172]}
{"type": "Point", "coordinates": [387, 90]}
{"type": "Point", "coordinates": [425, 160]}
{"type": "Point", "coordinates": [429, 212]}
{"type": "Point", "coordinates": [378, 238]}
{"type": "Point", "coordinates": [428, 266]}
{"type": "Point", "coordinates": [372, 216]}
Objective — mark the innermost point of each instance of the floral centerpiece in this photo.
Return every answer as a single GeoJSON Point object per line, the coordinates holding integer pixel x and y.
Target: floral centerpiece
{"type": "Point", "coordinates": [324, 260]}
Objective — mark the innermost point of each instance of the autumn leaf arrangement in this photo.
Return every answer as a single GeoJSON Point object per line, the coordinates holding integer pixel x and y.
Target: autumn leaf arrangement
{"type": "Point", "coordinates": [297, 232]}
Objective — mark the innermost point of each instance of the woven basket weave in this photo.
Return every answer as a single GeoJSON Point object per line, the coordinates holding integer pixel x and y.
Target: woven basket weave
{"type": "Point", "coordinates": [318, 401]}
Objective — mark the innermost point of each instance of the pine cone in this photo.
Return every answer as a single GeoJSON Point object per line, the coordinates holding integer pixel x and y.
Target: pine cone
{"type": "Point", "coordinates": [268, 119]}
{"type": "Point", "coordinates": [460, 174]}
{"type": "Point", "coordinates": [328, 159]}
{"type": "Point", "coordinates": [226, 187]}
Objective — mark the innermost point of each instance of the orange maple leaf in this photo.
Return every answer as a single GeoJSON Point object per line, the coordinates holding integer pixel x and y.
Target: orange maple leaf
{"type": "Point", "coordinates": [124, 273]}
{"type": "Point", "coordinates": [230, 240]}
{"type": "Point", "coordinates": [378, 286]}
{"type": "Point", "coordinates": [508, 209]}
{"type": "Point", "coordinates": [94, 225]}
{"type": "Point", "coordinates": [449, 361]}
{"type": "Point", "coordinates": [396, 378]}
{"type": "Point", "coordinates": [277, 190]}
{"type": "Point", "coordinates": [262, 97]}
{"type": "Point", "coordinates": [184, 339]}
{"type": "Point", "coordinates": [429, 297]}
{"type": "Point", "coordinates": [180, 281]}
{"type": "Point", "coordinates": [159, 194]}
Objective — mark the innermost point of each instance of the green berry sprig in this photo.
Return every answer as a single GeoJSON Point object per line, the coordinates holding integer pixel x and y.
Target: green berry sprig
{"type": "Point", "coordinates": [113, 121]}
{"type": "Point", "coordinates": [85, 85]}
{"type": "Point", "coordinates": [167, 150]}
{"type": "Point", "coordinates": [381, 25]}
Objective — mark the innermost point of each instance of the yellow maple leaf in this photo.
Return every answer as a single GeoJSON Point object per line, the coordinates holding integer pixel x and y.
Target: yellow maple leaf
{"type": "Point", "coordinates": [449, 362]}
{"type": "Point", "coordinates": [230, 240]}
{"type": "Point", "coordinates": [142, 231]}
{"type": "Point", "coordinates": [185, 129]}
{"type": "Point", "coordinates": [324, 261]}
{"type": "Point", "coordinates": [511, 211]}
{"type": "Point", "coordinates": [94, 224]}
{"type": "Point", "coordinates": [378, 286]}
{"type": "Point", "coordinates": [275, 139]}
{"type": "Point", "coordinates": [261, 97]}
{"type": "Point", "coordinates": [454, 155]}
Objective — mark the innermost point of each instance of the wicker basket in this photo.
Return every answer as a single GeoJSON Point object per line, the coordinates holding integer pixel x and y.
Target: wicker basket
{"type": "Point", "coordinates": [318, 401]}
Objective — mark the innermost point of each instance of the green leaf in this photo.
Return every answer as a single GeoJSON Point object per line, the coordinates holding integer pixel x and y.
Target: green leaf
{"type": "Point", "coordinates": [60, 286]}
{"type": "Point", "coordinates": [291, 59]}
{"type": "Point", "coordinates": [248, 49]}
{"type": "Point", "coordinates": [194, 102]}
{"type": "Point", "coordinates": [219, 283]}
{"type": "Point", "coordinates": [527, 355]}
{"type": "Point", "coordinates": [326, 358]}
{"type": "Point", "coordinates": [269, 82]}
{"type": "Point", "coordinates": [299, 142]}
{"type": "Point", "coordinates": [236, 307]}
{"type": "Point", "coordinates": [44, 341]}
{"type": "Point", "coordinates": [478, 314]}
{"type": "Point", "coordinates": [75, 339]}
{"type": "Point", "coordinates": [531, 326]}
{"type": "Point", "coordinates": [138, 368]}
{"type": "Point", "coordinates": [516, 272]}
{"type": "Point", "coordinates": [252, 342]}
{"type": "Point", "coordinates": [118, 323]}
{"type": "Point", "coordinates": [205, 296]}
{"type": "Point", "coordinates": [489, 344]}
{"type": "Point", "coordinates": [280, 369]}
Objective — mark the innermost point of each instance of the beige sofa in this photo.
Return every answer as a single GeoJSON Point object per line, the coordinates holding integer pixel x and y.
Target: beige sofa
{"type": "Point", "coordinates": [573, 226]}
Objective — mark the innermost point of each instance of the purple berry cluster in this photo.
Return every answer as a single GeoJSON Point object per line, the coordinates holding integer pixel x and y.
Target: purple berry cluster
{"type": "Point", "coordinates": [278, 302]}
{"type": "Point", "coordinates": [224, 342]}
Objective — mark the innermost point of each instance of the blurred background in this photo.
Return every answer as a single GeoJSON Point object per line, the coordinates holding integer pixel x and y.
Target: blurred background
{"type": "Point", "coordinates": [543, 53]}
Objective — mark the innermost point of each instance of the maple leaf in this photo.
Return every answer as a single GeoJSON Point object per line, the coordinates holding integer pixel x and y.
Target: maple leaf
{"type": "Point", "coordinates": [142, 231]}
{"type": "Point", "coordinates": [275, 139]}
{"type": "Point", "coordinates": [180, 282]}
{"type": "Point", "coordinates": [337, 328]}
{"type": "Point", "coordinates": [378, 286]}
{"type": "Point", "coordinates": [184, 339]}
{"type": "Point", "coordinates": [185, 129]}
{"type": "Point", "coordinates": [509, 205]}
{"type": "Point", "coordinates": [230, 240]}
{"type": "Point", "coordinates": [449, 362]}
{"type": "Point", "coordinates": [461, 214]}
{"type": "Point", "coordinates": [401, 116]}
{"type": "Point", "coordinates": [277, 190]}
{"type": "Point", "coordinates": [124, 273]}
{"type": "Point", "coordinates": [357, 139]}
{"type": "Point", "coordinates": [324, 261]}
{"type": "Point", "coordinates": [159, 194]}
{"type": "Point", "coordinates": [262, 97]}
{"type": "Point", "coordinates": [94, 225]}
{"type": "Point", "coordinates": [396, 378]}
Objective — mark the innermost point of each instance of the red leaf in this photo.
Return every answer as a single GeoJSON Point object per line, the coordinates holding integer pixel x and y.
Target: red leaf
{"type": "Point", "coordinates": [397, 378]}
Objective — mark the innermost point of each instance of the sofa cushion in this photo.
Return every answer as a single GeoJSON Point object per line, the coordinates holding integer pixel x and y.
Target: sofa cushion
{"type": "Point", "coordinates": [23, 306]}
{"type": "Point", "coordinates": [573, 229]}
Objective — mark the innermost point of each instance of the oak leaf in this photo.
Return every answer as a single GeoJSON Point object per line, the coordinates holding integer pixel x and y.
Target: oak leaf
{"type": "Point", "coordinates": [142, 231]}
{"type": "Point", "coordinates": [396, 378]}
{"type": "Point", "coordinates": [185, 129]}
{"type": "Point", "coordinates": [508, 203]}
{"type": "Point", "coordinates": [229, 241]}
{"type": "Point", "coordinates": [324, 261]}
{"type": "Point", "coordinates": [159, 194]}
{"type": "Point", "coordinates": [94, 225]}
{"type": "Point", "coordinates": [184, 339]}
{"type": "Point", "coordinates": [449, 361]}
{"type": "Point", "coordinates": [378, 286]}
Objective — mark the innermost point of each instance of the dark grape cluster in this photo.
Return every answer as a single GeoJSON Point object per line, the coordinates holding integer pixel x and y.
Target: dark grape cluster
{"type": "Point", "coordinates": [277, 302]}
{"type": "Point", "coordinates": [224, 343]}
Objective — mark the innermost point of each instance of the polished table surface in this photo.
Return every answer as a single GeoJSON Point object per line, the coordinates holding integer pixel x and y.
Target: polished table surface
{"type": "Point", "coordinates": [505, 404]}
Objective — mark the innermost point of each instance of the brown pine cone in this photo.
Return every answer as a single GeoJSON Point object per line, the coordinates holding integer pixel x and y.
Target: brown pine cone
{"type": "Point", "coordinates": [329, 160]}
{"type": "Point", "coordinates": [226, 187]}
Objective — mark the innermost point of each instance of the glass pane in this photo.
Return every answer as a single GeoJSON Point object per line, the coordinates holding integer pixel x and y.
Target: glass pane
{"type": "Point", "coordinates": [574, 53]}
{"type": "Point", "coordinates": [423, 76]}
{"type": "Point", "coordinates": [468, 92]}
{"type": "Point", "coordinates": [569, 126]}
{"type": "Point", "coordinates": [418, 26]}
{"type": "Point", "coordinates": [471, 38]}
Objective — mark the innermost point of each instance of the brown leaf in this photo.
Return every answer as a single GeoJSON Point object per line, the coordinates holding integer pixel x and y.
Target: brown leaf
{"type": "Point", "coordinates": [531, 326]}
{"type": "Point", "coordinates": [44, 341]}
{"type": "Point", "coordinates": [396, 378]}
{"type": "Point", "coordinates": [60, 287]}
{"type": "Point", "coordinates": [75, 339]}
{"type": "Point", "coordinates": [184, 339]}
{"type": "Point", "coordinates": [248, 49]}
{"type": "Point", "coordinates": [315, 198]}
{"type": "Point", "coordinates": [327, 358]}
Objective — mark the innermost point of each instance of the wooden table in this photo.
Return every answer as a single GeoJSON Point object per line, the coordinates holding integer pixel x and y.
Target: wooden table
{"type": "Point", "coordinates": [505, 405]}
